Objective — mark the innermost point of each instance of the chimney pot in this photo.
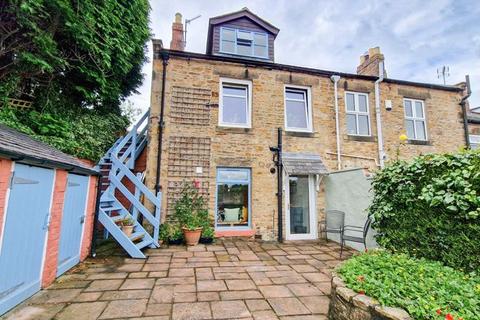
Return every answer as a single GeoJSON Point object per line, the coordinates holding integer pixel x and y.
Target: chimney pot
{"type": "Point", "coordinates": [178, 17]}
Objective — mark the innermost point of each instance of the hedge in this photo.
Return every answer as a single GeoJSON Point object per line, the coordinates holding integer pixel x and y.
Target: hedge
{"type": "Point", "coordinates": [425, 289]}
{"type": "Point", "coordinates": [430, 207]}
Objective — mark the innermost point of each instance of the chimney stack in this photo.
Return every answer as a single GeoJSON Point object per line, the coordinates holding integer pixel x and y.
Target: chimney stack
{"type": "Point", "coordinates": [370, 61]}
{"type": "Point", "coordinates": [177, 42]}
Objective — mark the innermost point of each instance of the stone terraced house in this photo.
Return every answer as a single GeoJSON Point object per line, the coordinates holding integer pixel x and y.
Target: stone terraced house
{"type": "Point", "coordinates": [230, 118]}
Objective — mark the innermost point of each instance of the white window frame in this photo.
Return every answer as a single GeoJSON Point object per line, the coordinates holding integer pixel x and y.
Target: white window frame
{"type": "Point", "coordinates": [309, 108]}
{"type": "Point", "coordinates": [415, 118]}
{"type": "Point", "coordinates": [252, 47]}
{"type": "Point", "coordinates": [357, 113]}
{"type": "Point", "coordinates": [235, 82]}
{"type": "Point", "coordinates": [474, 141]}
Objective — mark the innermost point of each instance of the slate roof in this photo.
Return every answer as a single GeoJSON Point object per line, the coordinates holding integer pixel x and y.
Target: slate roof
{"type": "Point", "coordinates": [21, 147]}
{"type": "Point", "coordinates": [303, 163]}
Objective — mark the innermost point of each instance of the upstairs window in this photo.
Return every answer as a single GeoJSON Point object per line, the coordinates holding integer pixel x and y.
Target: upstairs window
{"type": "Point", "coordinates": [415, 119]}
{"type": "Point", "coordinates": [298, 111]}
{"type": "Point", "coordinates": [358, 116]}
{"type": "Point", "coordinates": [242, 42]}
{"type": "Point", "coordinates": [235, 103]}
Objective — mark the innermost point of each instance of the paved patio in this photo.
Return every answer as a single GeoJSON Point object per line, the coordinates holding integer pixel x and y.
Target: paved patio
{"type": "Point", "coordinates": [227, 280]}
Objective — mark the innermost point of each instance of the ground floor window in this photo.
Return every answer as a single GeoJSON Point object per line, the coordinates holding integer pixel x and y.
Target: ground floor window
{"type": "Point", "coordinates": [233, 198]}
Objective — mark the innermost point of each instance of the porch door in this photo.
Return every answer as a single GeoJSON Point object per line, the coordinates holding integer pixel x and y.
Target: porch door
{"type": "Point", "coordinates": [300, 210]}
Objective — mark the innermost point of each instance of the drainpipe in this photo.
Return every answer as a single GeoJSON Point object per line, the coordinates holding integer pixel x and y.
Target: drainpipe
{"type": "Point", "coordinates": [381, 152]}
{"type": "Point", "coordinates": [161, 122]}
{"type": "Point", "coordinates": [279, 164]}
{"type": "Point", "coordinates": [335, 79]}
{"type": "Point", "coordinates": [463, 104]}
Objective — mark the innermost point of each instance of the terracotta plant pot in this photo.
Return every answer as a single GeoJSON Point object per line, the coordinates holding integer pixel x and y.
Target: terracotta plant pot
{"type": "Point", "coordinates": [128, 230]}
{"type": "Point", "coordinates": [192, 236]}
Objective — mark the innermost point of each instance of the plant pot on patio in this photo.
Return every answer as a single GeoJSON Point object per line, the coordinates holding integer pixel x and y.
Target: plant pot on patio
{"type": "Point", "coordinates": [192, 236]}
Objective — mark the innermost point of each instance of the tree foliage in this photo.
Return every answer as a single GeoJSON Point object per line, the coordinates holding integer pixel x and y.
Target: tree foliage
{"type": "Point", "coordinates": [430, 207]}
{"type": "Point", "coordinates": [71, 54]}
{"type": "Point", "coordinates": [85, 135]}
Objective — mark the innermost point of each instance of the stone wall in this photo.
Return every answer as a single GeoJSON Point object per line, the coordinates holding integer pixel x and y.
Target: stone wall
{"type": "Point", "coordinates": [346, 304]}
{"type": "Point", "coordinates": [191, 111]}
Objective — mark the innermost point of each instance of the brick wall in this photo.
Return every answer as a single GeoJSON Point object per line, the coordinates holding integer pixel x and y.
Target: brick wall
{"type": "Point", "coordinates": [54, 230]}
{"type": "Point", "coordinates": [5, 173]}
{"type": "Point", "coordinates": [89, 219]}
{"type": "Point", "coordinates": [233, 147]}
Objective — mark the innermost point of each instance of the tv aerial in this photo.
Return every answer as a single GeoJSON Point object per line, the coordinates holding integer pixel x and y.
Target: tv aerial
{"type": "Point", "coordinates": [187, 22]}
{"type": "Point", "coordinates": [443, 73]}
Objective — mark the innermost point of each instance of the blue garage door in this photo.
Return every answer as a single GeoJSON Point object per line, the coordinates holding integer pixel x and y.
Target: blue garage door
{"type": "Point", "coordinates": [24, 235]}
{"type": "Point", "coordinates": [72, 222]}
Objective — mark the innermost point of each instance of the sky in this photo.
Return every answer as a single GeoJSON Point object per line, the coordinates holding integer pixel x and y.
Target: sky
{"type": "Point", "coordinates": [417, 37]}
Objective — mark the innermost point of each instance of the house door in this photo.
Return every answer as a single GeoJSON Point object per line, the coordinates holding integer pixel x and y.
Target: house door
{"type": "Point", "coordinates": [23, 244]}
{"type": "Point", "coordinates": [72, 222]}
{"type": "Point", "coordinates": [300, 209]}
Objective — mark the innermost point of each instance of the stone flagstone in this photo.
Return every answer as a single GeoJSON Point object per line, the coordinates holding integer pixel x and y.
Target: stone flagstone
{"type": "Point", "coordinates": [232, 279]}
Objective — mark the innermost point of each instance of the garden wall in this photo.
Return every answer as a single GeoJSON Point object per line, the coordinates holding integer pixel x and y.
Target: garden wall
{"type": "Point", "coordinates": [349, 191]}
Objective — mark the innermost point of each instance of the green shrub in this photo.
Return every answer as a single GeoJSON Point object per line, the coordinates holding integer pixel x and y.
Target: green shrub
{"type": "Point", "coordinates": [427, 290]}
{"type": "Point", "coordinates": [430, 207]}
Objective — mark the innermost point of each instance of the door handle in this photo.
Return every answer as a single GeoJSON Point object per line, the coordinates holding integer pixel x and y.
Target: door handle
{"type": "Point", "coordinates": [46, 222]}
{"type": "Point", "coordinates": [82, 219]}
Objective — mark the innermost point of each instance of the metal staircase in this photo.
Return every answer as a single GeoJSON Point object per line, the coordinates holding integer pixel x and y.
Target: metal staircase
{"type": "Point", "coordinates": [118, 179]}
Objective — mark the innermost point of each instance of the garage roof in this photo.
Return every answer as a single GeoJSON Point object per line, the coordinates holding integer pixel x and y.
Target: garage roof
{"type": "Point", "coordinates": [21, 147]}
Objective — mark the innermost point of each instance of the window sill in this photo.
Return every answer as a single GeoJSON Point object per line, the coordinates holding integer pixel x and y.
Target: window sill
{"type": "Point", "coordinates": [304, 134]}
{"type": "Point", "coordinates": [226, 129]}
{"type": "Point", "coordinates": [420, 142]}
{"type": "Point", "coordinates": [234, 233]}
{"type": "Point", "coordinates": [350, 137]}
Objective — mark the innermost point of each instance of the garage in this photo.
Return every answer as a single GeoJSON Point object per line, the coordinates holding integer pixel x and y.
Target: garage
{"type": "Point", "coordinates": [47, 205]}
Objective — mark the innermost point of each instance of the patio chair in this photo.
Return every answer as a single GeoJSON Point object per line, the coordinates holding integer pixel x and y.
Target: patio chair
{"type": "Point", "coordinates": [334, 223]}
{"type": "Point", "coordinates": [355, 238]}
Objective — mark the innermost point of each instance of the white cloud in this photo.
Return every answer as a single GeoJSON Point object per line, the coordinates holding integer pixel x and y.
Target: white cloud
{"type": "Point", "coordinates": [416, 36]}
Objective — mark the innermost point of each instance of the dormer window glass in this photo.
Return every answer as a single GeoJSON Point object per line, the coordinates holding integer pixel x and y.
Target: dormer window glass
{"type": "Point", "coordinates": [244, 43]}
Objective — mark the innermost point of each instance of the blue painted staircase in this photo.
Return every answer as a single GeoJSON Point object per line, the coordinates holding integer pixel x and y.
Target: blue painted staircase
{"type": "Point", "coordinates": [116, 168]}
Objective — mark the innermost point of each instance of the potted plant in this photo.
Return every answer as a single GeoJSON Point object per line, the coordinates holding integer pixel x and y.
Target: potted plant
{"type": "Point", "coordinates": [208, 232]}
{"type": "Point", "coordinates": [171, 233]}
{"type": "Point", "coordinates": [127, 226]}
{"type": "Point", "coordinates": [207, 235]}
{"type": "Point", "coordinates": [176, 234]}
{"type": "Point", "coordinates": [192, 229]}
{"type": "Point", "coordinates": [189, 211]}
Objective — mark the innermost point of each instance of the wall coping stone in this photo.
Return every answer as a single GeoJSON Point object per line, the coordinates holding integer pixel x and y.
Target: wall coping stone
{"type": "Point", "coordinates": [346, 304]}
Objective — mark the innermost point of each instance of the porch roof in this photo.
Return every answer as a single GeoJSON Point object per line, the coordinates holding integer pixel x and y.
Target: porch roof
{"type": "Point", "coordinates": [303, 163]}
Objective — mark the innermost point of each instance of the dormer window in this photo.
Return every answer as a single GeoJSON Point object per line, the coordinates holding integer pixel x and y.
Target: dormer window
{"type": "Point", "coordinates": [244, 43]}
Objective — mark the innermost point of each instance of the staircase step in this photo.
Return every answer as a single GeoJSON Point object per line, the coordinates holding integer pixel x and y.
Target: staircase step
{"type": "Point", "coordinates": [143, 244]}
{"type": "Point", "coordinates": [111, 208]}
{"type": "Point", "coordinates": [137, 236]}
